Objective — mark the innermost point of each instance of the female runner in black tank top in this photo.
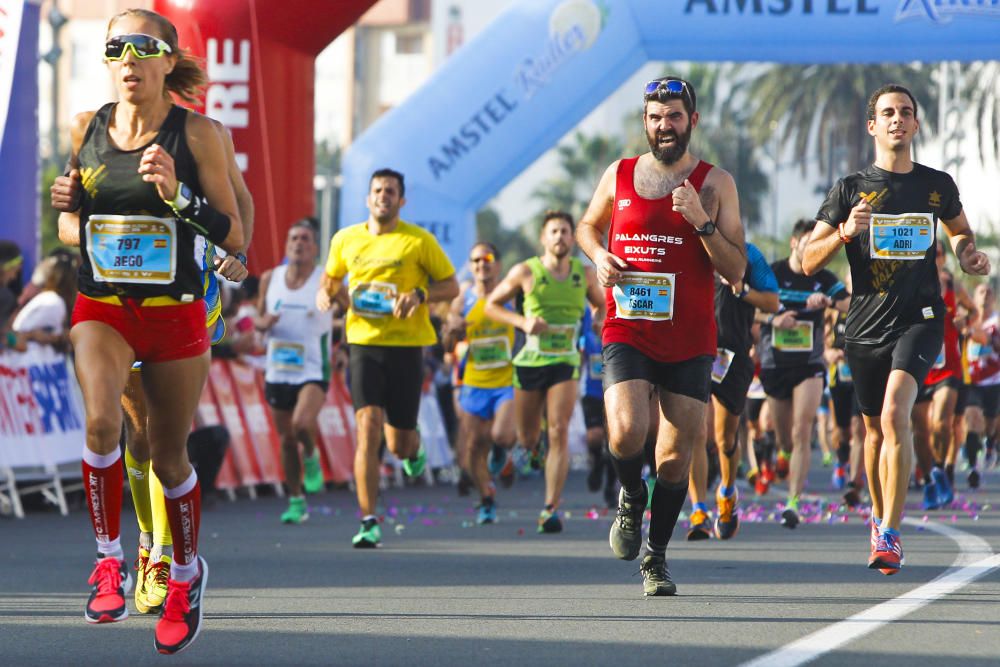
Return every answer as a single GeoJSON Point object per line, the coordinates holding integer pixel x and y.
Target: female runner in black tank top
{"type": "Point", "coordinates": [140, 295]}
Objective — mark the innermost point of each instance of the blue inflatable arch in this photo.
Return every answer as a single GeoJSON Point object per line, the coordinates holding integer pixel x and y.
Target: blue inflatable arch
{"type": "Point", "coordinates": [543, 65]}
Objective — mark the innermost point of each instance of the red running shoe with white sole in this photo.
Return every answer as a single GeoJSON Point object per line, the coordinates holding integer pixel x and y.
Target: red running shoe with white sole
{"type": "Point", "coordinates": [887, 556]}
{"type": "Point", "coordinates": [180, 623]}
{"type": "Point", "coordinates": [111, 581]}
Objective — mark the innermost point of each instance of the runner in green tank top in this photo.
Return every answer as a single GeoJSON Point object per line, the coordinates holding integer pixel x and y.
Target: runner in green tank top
{"type": "Point", "coordinates": [556, 288]}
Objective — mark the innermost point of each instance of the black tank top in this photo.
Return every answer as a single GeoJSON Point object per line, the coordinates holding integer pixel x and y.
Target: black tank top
{"type": "Point", "coordinates": [131, 242]}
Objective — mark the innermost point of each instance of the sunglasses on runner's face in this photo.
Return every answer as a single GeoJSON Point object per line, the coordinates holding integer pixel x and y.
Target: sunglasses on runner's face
{"type": "Point", "coordinates": [143, 46]}
{"type": "Point", "coordinates": [665, 89]}
{"type": "Point", "coordinates": [485, 259]}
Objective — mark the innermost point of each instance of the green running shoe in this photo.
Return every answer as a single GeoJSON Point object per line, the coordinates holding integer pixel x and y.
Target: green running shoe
{"type": "Point", "coordinates": [297, 511]}
{"type": "Point", "coordinates": [313, 479]}
{"type": "Point", "coordinates": [414, 467]}
{"type": "Point", "coordinates": [369, 535]}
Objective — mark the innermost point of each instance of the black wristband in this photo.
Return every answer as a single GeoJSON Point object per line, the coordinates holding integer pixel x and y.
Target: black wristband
{"type": "Point", "coordinates": [209, 222]}
{"type": "Point", "coordinates": [421, 294]}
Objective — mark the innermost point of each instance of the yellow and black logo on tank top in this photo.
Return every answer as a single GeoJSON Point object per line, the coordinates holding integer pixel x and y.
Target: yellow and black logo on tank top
{"type": "Point", "coordinates": [91, 177]}
{"type": "Point", "coordinates": [875, 199]}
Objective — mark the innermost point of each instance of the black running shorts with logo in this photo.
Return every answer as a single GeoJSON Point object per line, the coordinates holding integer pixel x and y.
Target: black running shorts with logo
{"type": "Point", "coordinates": [691, 377]}
{"type": "Point", "coordinates": [732, 391]}
{"type": "Point", "coordinates": [780, 383]}
{"type": "Point", "coordinates": [593, 411]}
{"type": "Point", "coordinates": [845, 404]}
{"type": "Point", "coordinates": [390, 378]}
{"type": "Point", "coordinates": [914, 352]}
{"type": "Point", "coordinates": [542, 378]}
{"type": "Point", "coordinates": [282, 396]}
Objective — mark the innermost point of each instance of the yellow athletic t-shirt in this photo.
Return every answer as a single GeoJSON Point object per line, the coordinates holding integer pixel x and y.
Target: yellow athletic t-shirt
{"type": "Point", "coordinates": [379, 267]}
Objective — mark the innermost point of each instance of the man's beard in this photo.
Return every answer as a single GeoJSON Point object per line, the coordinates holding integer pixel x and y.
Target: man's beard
{"type": "Point", "coordinates": [670, 154]}
{"type": "Point", "coordinates": [559, 250]}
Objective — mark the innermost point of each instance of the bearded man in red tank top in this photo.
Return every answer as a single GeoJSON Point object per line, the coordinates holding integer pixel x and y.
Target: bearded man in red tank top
{"type": "Point", "coordinates": [657, 229]}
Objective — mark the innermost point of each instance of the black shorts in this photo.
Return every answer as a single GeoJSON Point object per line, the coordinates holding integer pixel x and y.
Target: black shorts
{"type": "Point", "coordinates": [282, 396]}
{"type": "Point", "coordinates": [845, 404]}
{"type": "Point", "coordinates": [963, 398]}
{"type": "Point", "coordinates": [781, 382]}
{"type": "Point", "coordinates": [913, 352]}
{"type": "Point", "coordinates": [732, 390]}
{"type": "Point", "coordinates": [691, 377]}
{"type": "Point", "coordinates": [754, 406]}
{"type": "Point", "coordinates": [593, 411]}
{"type": "Point", "coordinates": [926, 392]}
{"type": "Point", "coordinates": [389, 378]}
{"type": "Point", "coordinates": [987, 397]}
{"type": "Point", "coordinates": [542, 378]}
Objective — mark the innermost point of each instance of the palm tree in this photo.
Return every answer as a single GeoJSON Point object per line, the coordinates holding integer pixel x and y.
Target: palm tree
{"type": "Point", "coordinates": [582, 161]}
{"type": "Point", "coordinates": [982, 90]}
{"type": "Point", "coordinates": [826, 106]}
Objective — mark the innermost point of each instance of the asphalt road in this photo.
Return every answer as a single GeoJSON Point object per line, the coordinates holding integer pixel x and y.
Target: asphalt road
{"type": "Point", "coordinates": [444, 591]}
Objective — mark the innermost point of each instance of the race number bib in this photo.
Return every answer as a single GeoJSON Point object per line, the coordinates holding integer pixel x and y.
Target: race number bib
{"type": "Point", "coordinates": [486, 353]}
{"type": "Point", "coordinates": [558, 341]}
{"type": "Point", "coordinates": [645, 296]}
{"type": "Point", "coordinates": [596, 366]}
{"type": "Point", "coordinates": [132, 249]}
{"type": "Point", "coordinates": [940, 361]}
{"type": "Point", "coordinates": [797, 339]}
{"type": "Point", "coordinates": [844, 372]}
{"type": "Point", "coordinates": [907, 236]}
{"type": "Point", "coordinates": [723, 360]}
{"type": "Point", "coordinates": [374, 299]}
{"type": "Point", "coordinates": [286, 356]}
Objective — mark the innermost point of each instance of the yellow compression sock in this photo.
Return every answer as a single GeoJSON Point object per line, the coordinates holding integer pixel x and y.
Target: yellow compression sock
{"type": "Point", "coordinates": [139, 474]}
{"type": "Point", "coordinates": [161, 526]}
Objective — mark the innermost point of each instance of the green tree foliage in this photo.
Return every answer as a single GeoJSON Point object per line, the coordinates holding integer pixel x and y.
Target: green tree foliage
{"type": "Point", "coordinates": [50, 217]}
{"type": "Point", "coordinates": [514, 246]}
{"type": "Point", "coordinates": [582, 161]}
{"type": "Point", "coordinates": [820, 110]}
{"type": "Point", "coordinates": [982, 90]}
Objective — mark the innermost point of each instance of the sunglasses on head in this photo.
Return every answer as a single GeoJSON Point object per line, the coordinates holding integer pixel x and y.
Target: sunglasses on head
{"type": "Point", "coordinates": [666, 89]}
{"type": "Point", "coordinates": [143, 46]}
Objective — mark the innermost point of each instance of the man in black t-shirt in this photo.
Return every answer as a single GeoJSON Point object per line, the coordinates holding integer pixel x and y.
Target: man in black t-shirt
{"type": "Point", "coordinates": [886, 217]}
{"type": "Point", "coordinates": [792, 368]}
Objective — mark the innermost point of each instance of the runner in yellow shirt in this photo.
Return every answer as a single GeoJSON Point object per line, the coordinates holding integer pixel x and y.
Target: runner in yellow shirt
{"type": "Point", "coordinates": [394, 270]}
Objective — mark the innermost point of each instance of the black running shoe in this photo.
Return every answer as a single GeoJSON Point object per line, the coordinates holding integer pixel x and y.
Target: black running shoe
{"type": "Point", "coordinates": [852, 498]}
{"type": "Point", "coordinates": [180, 622]}
{"type": "Point", "coordinates": [656, 577]}
{"type": "Point", "coordinates": [790, 518]}
{"type": "Point", "coordinates": [626, 531]}
{"type": "Point", "coordinates": [973, 479]}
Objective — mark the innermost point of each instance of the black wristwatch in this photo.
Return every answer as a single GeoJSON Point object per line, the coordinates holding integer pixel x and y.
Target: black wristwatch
{"type": "Point", "coordinates": [705, 230]}
{"type": "Point", "coordinates": [240, 256]}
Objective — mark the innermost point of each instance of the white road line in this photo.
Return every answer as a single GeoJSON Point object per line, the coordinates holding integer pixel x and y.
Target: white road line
{"type": "Point", "coordinates": [975, 559]}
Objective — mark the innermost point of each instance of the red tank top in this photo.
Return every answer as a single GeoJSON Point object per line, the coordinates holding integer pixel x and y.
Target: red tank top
{"type": "Point", "coordinates": [669, 316]}
{"type": "Point", "coordinates": [949, 361]}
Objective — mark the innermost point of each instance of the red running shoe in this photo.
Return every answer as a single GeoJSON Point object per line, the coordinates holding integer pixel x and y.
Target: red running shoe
{"type": "Point", "coordinates": [764, 479]}
{"type": "Point", "coordinates": [180, 623]}
{"type": "Point", "coordinates": [783, 465]}
{"type": "Point", "coordinates": [111, 581]}
{"type": "Point", "coordinates": [887, 556]}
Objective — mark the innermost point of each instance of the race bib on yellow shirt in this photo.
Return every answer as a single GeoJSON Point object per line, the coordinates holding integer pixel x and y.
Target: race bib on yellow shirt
{"type": "Point", "coordinates": [132, 249]}
{"type": "Point", "coordinates": [907, 236]}
{"type": "Point", "coordinates": [374, 299]}
{"type": "Point", "coordinates": [797, 339]}
{"type": "Point", "coordinates": [645, 296]}
{"type": "Point", "coordinates": [286, 356]}
{"type": "Point", "coordinates": [723, 360]}
{"type": "Point", "coordinates": [493, 352]}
